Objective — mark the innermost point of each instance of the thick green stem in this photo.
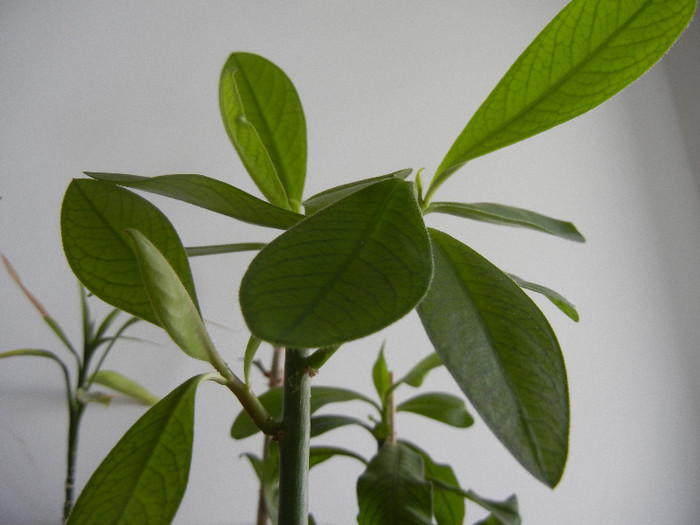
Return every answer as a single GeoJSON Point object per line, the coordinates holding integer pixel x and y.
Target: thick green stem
{"type": "Point", "coordinates": [75, 414]}
{"type": "Point", "coordinates": [294, 444]}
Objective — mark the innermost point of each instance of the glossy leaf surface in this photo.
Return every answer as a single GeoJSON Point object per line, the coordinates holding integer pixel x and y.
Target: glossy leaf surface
{"type": "Point", "coordinates": [503, 354]}
{"type": "Point", "coordinates": [264, 119]}
{"type": "Point", "coordinates": [508, 216]}
{"type": "Point", "coordinates": [94, 218]}
{"type": "Point", "coordinates": [172, 304]}
{"type": "Point", "coordinates": [210, 194]}
{"type": "Point", "coordinates": [343, 273]}
{"type": "Point", "coordinates": [591, 50]}
{"type": "Point", "coordinates": [439, 406]}
{"type": "Point", "coordinates": [143, 478]}
{"type": "Point", "coordinates": [393, 489]}
{"type": "Point", "coordinates": [123, 385]}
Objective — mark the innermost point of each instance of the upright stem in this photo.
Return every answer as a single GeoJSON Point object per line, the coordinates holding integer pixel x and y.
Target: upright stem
{"type": "Point", "coordinates": [75, 414]}
{"type": "Point", "coordinates": [294, 444]}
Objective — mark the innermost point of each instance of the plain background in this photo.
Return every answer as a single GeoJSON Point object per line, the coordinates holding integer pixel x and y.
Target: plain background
{"type": "Point", "coordinates": [131, 87]}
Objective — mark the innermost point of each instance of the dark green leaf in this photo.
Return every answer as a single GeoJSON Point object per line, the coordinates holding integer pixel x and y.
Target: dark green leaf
{"type": "Point", "coordinates": [560, 301]}
{"type": "Point", "coordinates": [509, 216]}
{"type": "Point", "coordinates": [503, 354]}
{"type": "Point", "coordinates": [322, 424]}
{"type": "Point", "coordinates": [591, 50]}
{"type": "Point", "coordinates": [380, 375]}
{"type": "Point", "coordinates": [439, 406]}
{"type": "Point", "coordinates": [329, 196]}
{"type": "Point", "coordinates": [208, 193]}
{"type": "Point", "coordinates": [123, 385]}
{"type": "Point", "coordinates": [143, 478]}
{"type": "Point", "coordinates": [243, 426]}
{"type": "Point", "coordinates": [171, 302]}
{"type": "Point", "coordinates": [393, 490]}
{"type": "Point", "coordinates": [502, 512]}
{"type": "Point", "coordinates": [94, 218]}
{"type": "Point", "coordinates": [217, 249]}
{"type": "Point", "coordinates": [264, 119]}
{"type": "Point", "coordinates": [318, 455]}
{"type": "Point", "coordinates": [343, 273]}
{"type": "Point", "coordinates": [416, 375]}
{"type": "Point", "coordinates": [448, 506]}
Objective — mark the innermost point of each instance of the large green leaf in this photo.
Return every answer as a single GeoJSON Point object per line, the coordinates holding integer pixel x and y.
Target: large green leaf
{"type": "Point", "coordinates": [208, 193]}
{"type": "Point", "coordinates": [508, 216]}
{"type": "Point", "coordinates": [143, 478]}
{"type": "Point", "coordinates": [321, 396]}
{"type": "Point", "coordinates": [393, 489]}
{"type": "Point", "coordinates": [264, 119]}
{"type": "Point", "coordinates": [439, 406]}
{"type": "Point", "coordinates": [345, 272]}
{"type": "Point", "coordinates": [503, 354]}
{"type": "Point", "coordinates": [591, 50]}
{"type": "Point", "coordinates": [94, 219]}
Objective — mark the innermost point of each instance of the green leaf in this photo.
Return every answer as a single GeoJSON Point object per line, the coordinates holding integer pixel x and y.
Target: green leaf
{"type": "Point", "coordinates": [318, 455]}
{"type": "Point", "coordinates": [250, 350]}
{"type": "Point", "coordinates": [171, 302]}
{"type": "Point", "coordinates": [416, 375]}
{"type": "Point", "coordinates": [217, 249]}
{"type": "Point", "coordinates": [502, 512]}
{"type": "Point", "coordinates": [143, 478]}
{"type": "Point", "coordinates": [94, 218]}
{"type": "Point", "coordinates": [380, 375]}
{"type": "Point", "coordinates": [329, 196]}
{"type": "Point", "coordinates": [559, 301]}
{"type": "Point", "coordinates": [343, 273]}
{"type": "Point", "coordinates": [321, 396]}
{"type": "Point", "coordinates": [264, 119]}
{"type": "Point", "coordinates": [268, 474]}
{"type": "Point", "coordinates": [123, 385]}
{"type": "Point", "coordinates": [322, 424]}
{"type": "Point", "coordinates": [448, 506]}
{"type": "Point", "coordinates": [591, 50]}
{"type": "Point", "coordinates": [503, 354]}
{"type": "Point", "coordinates": [509, 216]}
{"type": "Point", "coordinates": [208, 193]}
{"type": "Point", "coordinates": [393, 490]}
{"type": "Point", "coordinates": [439, 406]}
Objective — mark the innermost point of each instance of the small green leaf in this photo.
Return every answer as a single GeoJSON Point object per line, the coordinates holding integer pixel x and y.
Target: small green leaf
{"type": "Point", "coordinates": [503, 354]}
{"type": "Point", "coordinates": [123, 385]}
{"type": "Point", "coordinates": [559, 300]}
{"type": "Point", "coordinates": [393, 489]}
{"type": "Point", "coordinates": [86, 397]}
{"type": "Point", "coordinates": [94, 218]}
{"type": "Point", "coordinates": [502, 512]}
{"type": "Point", "coordinates": [318, 455]}
{"type": "Point", "coordinates": [345, 272]}
{"type": "Point", "coordinates": [250, 350]}
{"type": "Point", "coordinates": [380, 375]}
{"type": "Point", "coordinates": [217, 249]}
{"type": "Point", "coordinates": [508, 216]}
{"type": "Point", "coordinates": [322, 424]}
{"type": "Point", "coordinates": [264, 119]}
{"type": "Point", "coordinates": [329, 196]}
{"type": "Point", "coordinates": [439, 406]}
{"type": "Point", "coordinates": [591, 50]}
{"type": "Point", "coordinates": [32, 352]}
{"type": "Point", "coordinates": [143, 478]}
{"type": "Point", "coordinates": [416, 375]}
{"type": "Point", "coordinates": [321, 396]}
{"type": "Point", "coordinates": [208, 193]}
{"type": "Point", "coordinates": [171, 302]}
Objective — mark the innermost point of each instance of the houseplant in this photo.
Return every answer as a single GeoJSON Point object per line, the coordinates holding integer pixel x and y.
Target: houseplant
{"type": "Point", "coordinates": [398, 198]}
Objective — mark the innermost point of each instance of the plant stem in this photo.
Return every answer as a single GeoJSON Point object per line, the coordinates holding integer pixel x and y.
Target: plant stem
{"type": "Point", "coordinates": [294, 444]}
{"type": "Point", "coordinates": [75, 414]}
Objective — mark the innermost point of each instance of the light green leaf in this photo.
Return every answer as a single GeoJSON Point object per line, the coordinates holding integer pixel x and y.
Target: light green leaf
{"type": "Point", "coordinates": [503, 354]}
{"type": "Point", "coordinates": [217, 249]}
{"type": "Point", "coordinates": [250, 350]}
{"type": "Point", "coordinates": [416, 375]}
{"type": "Point", "coordinates": [448, 506]}
{"type": "Point", "coordinates": [143, 478]}
{"type": "Point", "coordinates": [264, 119]}
{"type": "Point", "coordinates": [393, 489]}
{"type": "Point", "coordinates": [380, 375]}
{"type": "Point", "coordinates": [32, 352]}
{"type": "Point", "coordinates": [439, 406]}
{"type": "Point", "coordinates": [343, 273]}
{"type": "Point", "coordinates": [208, 193]}
{"type": "Point", "coordinates": [559, 300]}
{"type": "Point", "coordinates": [322, 424]}
{"type": "Point", "coordinates": [94, 217]}
{"type": "Point", "coordinates": [123, 385]}
{"type": "Point", "coordinates": [329, 196]}
{"type": "Point", "coordinates": [171, 302]}
{"type": "Point", "coordinates": [318, 455]}
{"type": "Point", "coordinates": [321, 396]}
{"type": "Point", "coordinates": [591, 50]}
{"type": "Point", "coordinates": [508, 216]}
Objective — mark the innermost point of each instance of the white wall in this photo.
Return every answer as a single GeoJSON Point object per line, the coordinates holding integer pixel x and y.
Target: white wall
{"type": "Point", "coordinates": [132, 87]}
